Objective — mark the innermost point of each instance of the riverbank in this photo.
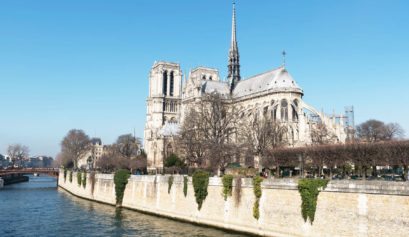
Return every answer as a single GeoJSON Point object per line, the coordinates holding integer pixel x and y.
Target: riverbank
{"type": "Point", "coordinates": [14, 178]}
{"type": "Point", "coordinates": [344, 208]}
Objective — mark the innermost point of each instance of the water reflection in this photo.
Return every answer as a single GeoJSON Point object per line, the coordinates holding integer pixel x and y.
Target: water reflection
{"type": "Point", "coordinates": [38, 208]}
{"type": "Point", "coordinates": [125, 222]}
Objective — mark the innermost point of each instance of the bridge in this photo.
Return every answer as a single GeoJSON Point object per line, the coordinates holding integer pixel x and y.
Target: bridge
{"type": "Point", "coordinates": [17, 175]}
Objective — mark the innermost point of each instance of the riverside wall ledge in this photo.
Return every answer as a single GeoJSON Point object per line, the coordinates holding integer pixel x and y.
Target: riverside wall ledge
{"type": "Point", "coordinates": [344, 208]}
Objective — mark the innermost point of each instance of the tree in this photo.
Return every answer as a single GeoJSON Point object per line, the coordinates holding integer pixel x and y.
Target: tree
{"type": "Point", "coordinates": [110, 159]}
{"type": "Point", "coordinates": [393, 131]}
{"type": "Point", "coordinates": [128, 146]}
{"type": "Point", "coordinates": [75, 145]}
{"type": "Point", "coordinates": [375, 131]}
{"type": "Point", "coordinates": [207, 134]}
{"type": "Point", "coordinates": [321, 135]}
{"type": "Point", "coordinates": [113, 159]}
{"type": "Point", "coordinates": [191, 139]}
{"type": "Point", "coordinates": [17, 153]}
{"type": "Point", "coordinates": [173, 161]}
{"type": "Point", "coordinates": [261, 134]}
{"type": "Point", "coordinates": [63, 160]}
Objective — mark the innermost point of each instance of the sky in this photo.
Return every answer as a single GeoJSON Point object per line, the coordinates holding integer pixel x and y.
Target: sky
{"type": "Point", "coordinates": [84, 64]}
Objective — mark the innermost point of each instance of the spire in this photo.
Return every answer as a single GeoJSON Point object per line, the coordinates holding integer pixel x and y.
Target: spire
{"type": "Point", "coordinates": [233, 30]}
{"type": "Point", "coordinates": [234, 58]}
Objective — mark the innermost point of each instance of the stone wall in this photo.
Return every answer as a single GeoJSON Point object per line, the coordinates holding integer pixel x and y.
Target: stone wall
{"type": "Point", "coordinates": [345, 208]}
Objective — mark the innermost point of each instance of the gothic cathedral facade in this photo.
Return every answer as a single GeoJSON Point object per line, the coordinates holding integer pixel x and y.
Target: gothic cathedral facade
{"type": "Point", "coordinates": [274, 92]}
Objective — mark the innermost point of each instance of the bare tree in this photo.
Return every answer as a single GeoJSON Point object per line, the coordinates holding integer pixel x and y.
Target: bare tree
{"type": "Point", "coordinates": [62, 160]}
{"type": "Point", "coordinates": [321, 135]}
{"type": "Point", "coordinates": [371, 130]}
{"type": "Point", "coordinates": [17, 153]}
{"type": "Point", "coordinates": [261, 134]}
{"type": "Point", "coordinates": [110, 159]}
{"type": "Point", "coordinates": [375, 131]}
{"type": "Point", "coordinates": [393, 131]}
{"type": "Point", "coordinates": [207, 135]}
{"type": "Point", "coordinates": [191, 139]}
{"type": "Point", "coordinates": [75, 145]}
{"type": "Point", "coordinates": [128, 146]}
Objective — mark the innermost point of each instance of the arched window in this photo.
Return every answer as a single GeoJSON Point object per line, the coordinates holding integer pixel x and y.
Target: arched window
{"type": "Point", "coordinates": [295, 114]}
{"type": "Point", "coordinates": [171, 83]}
{"type": "Point", "coordinates": [210, 78]}
{"type": "Point", "coordinates": [165, 83]}
{"type": "Point", "coordinates": [274, 113]}
{"type": "Point", "coordinates": [284, 110]}
{"type": "Point", "coordinates": [204, 77]}
{"type": "Point", "coordinates": [294, 108]}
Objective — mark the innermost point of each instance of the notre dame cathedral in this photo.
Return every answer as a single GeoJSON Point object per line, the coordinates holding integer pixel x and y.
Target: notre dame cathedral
{"type": "Point", "coordinates": [274, 92]}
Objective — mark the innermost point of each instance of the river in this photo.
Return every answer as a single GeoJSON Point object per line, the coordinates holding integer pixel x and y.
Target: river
{"type": "Point", "coordinates": [39, 208]}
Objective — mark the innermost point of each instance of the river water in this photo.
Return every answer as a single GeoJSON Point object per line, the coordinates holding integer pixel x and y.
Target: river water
{"type": "Point", "coordinates": [39, 208]}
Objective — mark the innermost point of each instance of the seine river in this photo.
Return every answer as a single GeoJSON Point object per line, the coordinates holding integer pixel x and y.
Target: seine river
{"type": "Point", "coordinates": [38, 208]}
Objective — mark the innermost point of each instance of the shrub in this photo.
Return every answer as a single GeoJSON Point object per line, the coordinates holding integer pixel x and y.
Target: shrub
{"type": "Point", "coordinates": [227, 185]}
{"type": "Point", "coordinates": [170, 182]}
{"type": "Point", "coordinates": [200, 182]}
{"type": "Point", "coordinates": [173, 161]}
{"type": "Point", "coordinates": [120, 180]}
{"type": "Point", "coordinates": [257, 193]}
{"type": "Point", "coordinates": [70, 177]}
{"type": "Point", "coordinates": [309, 190]}
{"type": "Point", "coordinates": [79, 178]}
{"type": "Point", "coordinates": [185, 182]}
{"type": "Point", "coordinates": [84, 179]}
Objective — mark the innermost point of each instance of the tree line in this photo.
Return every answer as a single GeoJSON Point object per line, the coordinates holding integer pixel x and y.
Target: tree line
{"type": "Point", "coordinates": [215, 133]}
{"type": "Point", "coordinates": [125, 153]}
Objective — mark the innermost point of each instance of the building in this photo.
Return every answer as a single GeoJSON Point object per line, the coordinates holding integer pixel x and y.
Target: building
{"type": "Point", "coordinates": [274, 92]}
{"type": "Point", "coordinates": [39, 162]}
{"type": "Point", "coordinates": [88, 161]}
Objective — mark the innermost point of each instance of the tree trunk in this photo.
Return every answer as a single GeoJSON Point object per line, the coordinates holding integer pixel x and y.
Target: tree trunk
{"type": "Point", "coordinates": [277, 171]}
{"type": "Point", "coordinates": [374, 174]}
{"type": "Point", "coordinates": [405, 172]}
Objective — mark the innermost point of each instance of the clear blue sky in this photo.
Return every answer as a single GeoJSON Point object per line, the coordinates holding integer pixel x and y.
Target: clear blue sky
{"type": "Point", "coordinates": [84, 64]}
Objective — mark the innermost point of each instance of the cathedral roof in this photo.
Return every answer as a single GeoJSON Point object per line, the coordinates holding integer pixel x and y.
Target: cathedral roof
{"type": "Point", "coordinates": [277, 80]}
{"type": "Point", "coordinates": [218, 86]}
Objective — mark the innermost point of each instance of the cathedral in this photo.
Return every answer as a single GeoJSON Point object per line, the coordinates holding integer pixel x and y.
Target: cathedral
{"type": "Point", "coordinates": [274, 92]}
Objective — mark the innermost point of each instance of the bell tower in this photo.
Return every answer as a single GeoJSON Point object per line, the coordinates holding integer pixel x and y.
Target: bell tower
{"type": "Point", "coordinates": [163, 106]}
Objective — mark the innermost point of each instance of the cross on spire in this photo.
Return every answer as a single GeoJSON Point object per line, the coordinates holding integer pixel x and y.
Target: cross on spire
{"type": "Point", "coordinates": [284, 54]}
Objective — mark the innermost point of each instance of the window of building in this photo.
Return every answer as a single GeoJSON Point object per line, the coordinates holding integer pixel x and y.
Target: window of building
{"type": "Point", "coordinates": [284, 110]}
{"type": "Point", "coordinates": [165, 83]}
{"type": "Point", "coordinates": [171, 83]}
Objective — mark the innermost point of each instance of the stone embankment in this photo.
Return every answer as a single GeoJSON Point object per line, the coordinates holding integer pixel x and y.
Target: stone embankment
{"type": "Point", "coordinates": [13, 178]}
{"type": "Point", "coordinates": [344, 208]}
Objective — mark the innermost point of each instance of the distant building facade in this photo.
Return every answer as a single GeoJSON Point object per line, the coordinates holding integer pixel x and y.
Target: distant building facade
{"type": "Point", "coordinates": [274, 93]}
{"type": "Point", "coordinates": [89, 159]}
{"type": "Point", "coordinates": [39, 162]}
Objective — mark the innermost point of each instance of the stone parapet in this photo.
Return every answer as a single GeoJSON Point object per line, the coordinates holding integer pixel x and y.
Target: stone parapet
{"type": "Point", "coordinates": [369, 187]}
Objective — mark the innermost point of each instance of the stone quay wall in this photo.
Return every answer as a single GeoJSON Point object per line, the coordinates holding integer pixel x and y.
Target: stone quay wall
{"type": "Point", "coordinates": [344, 208]}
